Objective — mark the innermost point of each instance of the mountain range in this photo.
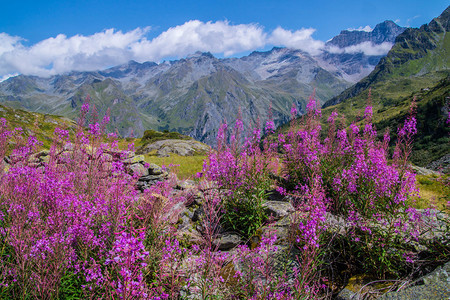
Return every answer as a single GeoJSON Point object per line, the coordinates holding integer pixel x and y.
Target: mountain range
{"type": "Point", "coordinates": [194, 95]}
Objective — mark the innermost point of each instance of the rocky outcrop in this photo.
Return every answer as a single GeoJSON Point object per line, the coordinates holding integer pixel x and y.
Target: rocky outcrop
{"type": "Point", "coordinates": [423, 171]}
{"type": "Point", "coordinates": [441, 165]}
{"type": "Point", "coordinates": [433, 286]}
{"type": "Point", "coordinates": [179, 147]}
{"type": "Point", "coordinates": [135, 165]}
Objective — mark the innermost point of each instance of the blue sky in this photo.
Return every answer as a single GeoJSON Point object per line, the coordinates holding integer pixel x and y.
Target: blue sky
{"type": "Point", "coordinates": [50, 37]}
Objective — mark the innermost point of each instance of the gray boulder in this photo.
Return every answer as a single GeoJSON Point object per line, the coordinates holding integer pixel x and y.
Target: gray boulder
{"type": "Point", "coordinates": [435, 285]}
{"type": "Point", "coordinates": [277, 209]}
{"type": "Point", "coordinates": [180, 147]}
{"type": "Point", "coordinates": [227, 241]}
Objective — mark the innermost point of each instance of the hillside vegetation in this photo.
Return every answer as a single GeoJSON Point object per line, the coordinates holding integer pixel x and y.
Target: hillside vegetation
{"type": "Point", "coordinates": [416, 68]}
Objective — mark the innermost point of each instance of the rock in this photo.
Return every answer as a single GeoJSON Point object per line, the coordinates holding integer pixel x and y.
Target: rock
{"type": "Point", "coordinates": [106, 157]}
{"type": "Point", "coordinates": [7, 159]}
{"type": "Point", "coordinates": [172, 215]}
{"type": "Point", "coordinates": [153, 177]}
{"type": "Point", "coordinates": [45, 159]}
{"type": "Point", "coordinates": [68, 147]}
{"type": "Point", "coordinates": [138, 169]}
{"type": "Point", "coordinates": [435, 285]}
{"type": "Point", "coordinates": [197, 214]}
{"type": "Point", "coordinates": [42, 153]}
{"type": "Point", "coordinates": [346, 294]}
{"type": "Point", "coordinates": [424, 171]}
{"type": "Point", "coordinates": [227, 241]}
{"type": "Point", "coordinates": [185, 185]}
{"type": "Point", "coordinates": [143, 185]}
{"type": "Point", "coordinates": [278, 209]}
{"type": "Point", "coordinates": [134, 159]}
{"type": "Point", "coordinates": [154, 169]}
{"type": "Point", "coordinates": [6, 166]}
{"type": "Point", "coordinates": [180, 147]}
{"type": "Point", "coordinates": [274, 195]}
{"type": "Point", "coordinates": [441, 165]}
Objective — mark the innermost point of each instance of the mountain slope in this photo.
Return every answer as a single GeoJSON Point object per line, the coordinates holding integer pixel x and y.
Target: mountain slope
{"type": "Point", "coordinates": [192, 95]}
{"type": "Point", "coordinates": [342, 53]}
{"type": "Point", "coordinates": [416, 67]}
{"type": "Point", "coordinates": [415, 52]}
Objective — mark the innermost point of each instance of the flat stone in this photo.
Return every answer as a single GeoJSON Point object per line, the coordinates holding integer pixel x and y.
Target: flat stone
{"type": "Point", "coordinates": [134, 159]}
{"type": "Point", "coordinates": [179, 147]}
{"type": "Point", "coordinates": [424, 171]}
{"type": "Point", "coordinates": [346, 294]}
{"type": "Point", "coordinates": [278, 209]}
{"type": "Point", "coordinates": [107, 157]}
{"type": "Point", "coordinates": [151, 178]}
{"type": "Point", "coordinates": [227, 241]}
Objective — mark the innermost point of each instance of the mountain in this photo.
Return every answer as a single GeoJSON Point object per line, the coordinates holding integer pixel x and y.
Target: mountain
{"type": "Point", "coordinates": [343, 54]}
{"type": "Point", "coordinates": [194, 95]}
{"type": "Point", "coordinates": [417, 66]}
{"type": "Point", "coordinates": [415, 52]}
{"type": "Point", "coordinates": [383, 32]}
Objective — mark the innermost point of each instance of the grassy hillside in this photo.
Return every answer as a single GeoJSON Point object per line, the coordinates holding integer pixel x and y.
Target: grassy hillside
{"type": "Point", "coordinates": [40, 125]}
{"type": "Point", "coordinates": [391, 101]}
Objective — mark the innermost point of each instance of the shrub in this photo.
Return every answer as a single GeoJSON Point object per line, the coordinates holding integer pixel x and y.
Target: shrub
{"type": "Point", "coordinates": [243, 173]}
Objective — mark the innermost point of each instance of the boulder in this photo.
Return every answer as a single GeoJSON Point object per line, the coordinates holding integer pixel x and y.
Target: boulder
{"type": "Point", "coordinates": [154, 169]}
{"type": "Point", "coordinates": [277, 209]}
{"type": "Point", "coordinates": [179, 147]}
{"type": "Point", "coordinates": [227, 241]}
{"type": "Point", "coordinates": [423, 171]}
{"type": "Point", "coordinates": [138, 169]}
{"type": "Point", "coordinates": [134, 159]}
{"type": "Point", "coordinates": [435, 285]}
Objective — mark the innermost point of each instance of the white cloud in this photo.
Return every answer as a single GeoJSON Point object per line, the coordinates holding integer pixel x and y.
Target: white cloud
{"type": "Point", "coordinates": [60, 54]}
{"type": "Point", "coordinates": [367, 48]}
{"type": "Point", "coordinates": [218, 37]}
{"type": "Point", "coordinates": [299, 39]}
{"type": "Point", "coordinates": [366, 28]}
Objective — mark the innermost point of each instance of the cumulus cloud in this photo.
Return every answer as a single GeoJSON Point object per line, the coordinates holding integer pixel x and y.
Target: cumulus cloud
{"type": "Point", "coordinates": [300, 39]}
{"type": "Point", "coordinates": [368, 48]}
{"type": "Point", "coordinates": [218, 37]}
{"type": "Point", "coordinates": [366, 28]}
{"type": "Point", "coordinates": [61, 54]}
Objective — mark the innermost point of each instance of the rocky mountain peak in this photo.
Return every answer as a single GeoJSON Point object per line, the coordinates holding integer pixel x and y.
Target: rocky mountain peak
{"type": "Point", "coordinates": [199, 54]}
{"type": "Point", "coordinates": [386, 31]}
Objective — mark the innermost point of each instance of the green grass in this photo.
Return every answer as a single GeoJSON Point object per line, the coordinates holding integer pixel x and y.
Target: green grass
{"type": "Point", "coordinates": [184, 166]}
{"type": "Point", "coordinates": [434, 191]}
{"type": "Point", "coordinates": [391, 104]}
{"type": "Point", "coordinates": [41, 126]}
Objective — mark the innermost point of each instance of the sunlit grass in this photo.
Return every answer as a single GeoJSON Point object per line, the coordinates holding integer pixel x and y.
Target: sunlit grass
{"type": "Point", "coordinates": [434, 191]}
{"type": "Point", "coordinates": [184, 166]}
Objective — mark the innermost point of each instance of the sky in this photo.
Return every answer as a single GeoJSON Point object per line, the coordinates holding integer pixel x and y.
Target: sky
{"type": "Point", "coordinates": [50, 37]}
